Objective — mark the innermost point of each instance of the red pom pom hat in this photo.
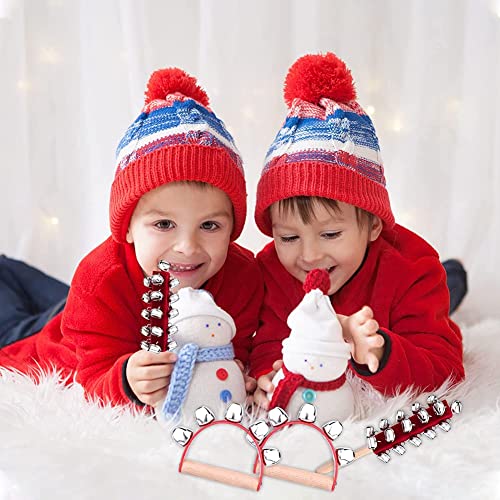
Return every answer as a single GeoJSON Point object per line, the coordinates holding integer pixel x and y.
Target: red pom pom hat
{"type": "Point", "coordinates": [327, 146]}
{"type": "Point", "coordinates": [176, 138]}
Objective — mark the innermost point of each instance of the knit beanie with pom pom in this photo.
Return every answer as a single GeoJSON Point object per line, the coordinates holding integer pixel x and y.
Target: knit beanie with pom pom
{"type": "Point", "coordinates": [327, 146]}
{"type": "Point", "coordinates": [176, 138]}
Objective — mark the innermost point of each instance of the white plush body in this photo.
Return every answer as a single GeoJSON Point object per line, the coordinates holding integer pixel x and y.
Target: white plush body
{"type": "Point", "coordinates": [316, 350]}
{"type": "Point", "coordinates": [200, 321]}
{"type": "Point", "coordinates": [206, 387]}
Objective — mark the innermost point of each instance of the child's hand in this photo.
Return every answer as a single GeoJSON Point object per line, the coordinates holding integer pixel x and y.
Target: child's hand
{"type": "Point", "coordinates": [264, 385]}
{"type": "Point", "coordinates": [360, 330]}
{"type": "Point", "coordinates": [250, 382]}
{"type": "Point", "coordinates": [148, 375]}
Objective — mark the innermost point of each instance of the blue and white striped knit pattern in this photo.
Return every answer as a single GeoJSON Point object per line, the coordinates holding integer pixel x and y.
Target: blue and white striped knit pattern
{"type": "Point", "coordinates": [317, 139]}
{"type": "Point", "coordinates": [182, 373]}
{"type": "Point", "coordinates": [184, 122]}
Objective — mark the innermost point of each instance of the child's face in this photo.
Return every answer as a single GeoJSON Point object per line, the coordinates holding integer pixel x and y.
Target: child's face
{"type": "Point", "coordinates": [188, 226]}
{"type": "Point", "coordinates": [332, 241]}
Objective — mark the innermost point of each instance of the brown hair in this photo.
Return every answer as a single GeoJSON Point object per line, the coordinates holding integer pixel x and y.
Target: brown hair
{"type": "Point", "coordinates": [305, 205]}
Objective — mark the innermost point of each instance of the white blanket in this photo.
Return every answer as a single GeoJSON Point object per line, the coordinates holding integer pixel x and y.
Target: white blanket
{"type": "Point", "coordinates": [54, 444]}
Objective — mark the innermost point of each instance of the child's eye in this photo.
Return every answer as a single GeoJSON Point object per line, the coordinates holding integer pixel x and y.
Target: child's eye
{"type": "Point", "coordinates": [331, 235]}
{"type": "Point", "coordinates": [288, 239]}
{"type": "Point", "coordinates": [164, 224]}
{"type": "Point", "coordinates": [209, 225]}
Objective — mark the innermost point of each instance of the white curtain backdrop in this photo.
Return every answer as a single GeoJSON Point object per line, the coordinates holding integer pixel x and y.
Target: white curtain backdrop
{"type": "Point", "coordinates": [73, 73]}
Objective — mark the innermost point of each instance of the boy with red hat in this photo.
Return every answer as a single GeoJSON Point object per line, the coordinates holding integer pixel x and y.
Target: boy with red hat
{"type": "Point", "coordinates": [178, 195]}
{"type": "Point", "coordinates": [322, 197]}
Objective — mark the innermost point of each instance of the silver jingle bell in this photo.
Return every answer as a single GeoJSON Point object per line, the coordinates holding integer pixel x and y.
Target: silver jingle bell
{"type": "Point", "coordinates": [384, 457]}
{"type": "Point", "coordinates": [204, 415]}
{"type": "Point", "coordinates": [456, 407]}
{"type": "Point", "coordinates": [384, 424]}
{"type": "Point", "coordinates": [277, 416]}
{"type": "Point", "coordinates": [164, 266]}
{"type": "Point", "coordinates": [333, 429]}
{"type": "Point", "coordinates": [173, 283]}
{"type": "Point", "coordinates": [259, 429]}
{"type": "Point", "coordinates": [389, 435]}
{"type": "Point", "coordinates": [234, 413]}
{"type": "Point", "coordinates": [271, 456]}
{"type": "Point", "coordinates": [157, 331]}
{"type": "Point", "coordinates": [345, 456]}
{"type": "Point", "coordinates": [423, 416]}
{"type": "Point", "coordinates": [371, 442]}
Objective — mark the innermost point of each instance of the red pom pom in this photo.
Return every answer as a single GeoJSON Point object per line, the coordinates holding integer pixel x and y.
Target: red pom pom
{"type": "Point", "coordinates": [315, 76]}
{"type": "Point", "coordinates": [317, 278]}
{"type": "Point", "coordinates": [170, 80]}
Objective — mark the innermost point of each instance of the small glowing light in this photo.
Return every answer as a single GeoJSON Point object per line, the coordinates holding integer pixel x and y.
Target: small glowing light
{"type": "Point", "coordinates": [370, 110]}
{"type": "Point", "coordinates": [50, 55]}
{"type": "Point", "coordinates": [397, 126]}
{"type": "Point", "coordinates": [373, 86]}
{"type": "Point", "coordinates": [54, 221]}
{"type": "Point", "coordinates": [454, 105]}
{"type": "Point", "coordinates": [23, 85]}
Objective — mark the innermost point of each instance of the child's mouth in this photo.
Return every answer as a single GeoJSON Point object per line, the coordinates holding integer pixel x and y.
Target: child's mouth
{"type": "Point", "coordinates": [184, 268]}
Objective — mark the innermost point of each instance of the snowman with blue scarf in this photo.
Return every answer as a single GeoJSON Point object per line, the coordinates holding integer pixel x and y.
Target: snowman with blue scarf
{"type": "Point", "coordinates": [205, 373]}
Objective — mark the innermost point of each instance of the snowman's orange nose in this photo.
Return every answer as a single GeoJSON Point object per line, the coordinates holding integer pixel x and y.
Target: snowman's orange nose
{"type": "Point", "coordinates": [212, 334]}
{"type": "Point", "coordinates": [312, 367]}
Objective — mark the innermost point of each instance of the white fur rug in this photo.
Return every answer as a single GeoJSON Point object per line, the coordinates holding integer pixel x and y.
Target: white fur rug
{"type": "Point", "coordinates": [54, 444]}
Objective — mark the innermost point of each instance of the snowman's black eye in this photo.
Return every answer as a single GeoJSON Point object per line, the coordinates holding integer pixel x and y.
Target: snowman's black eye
{"type": "Point", "coordinates": [305, 360]}
{"type": "Point", "coordinates": [218, 324]}
{"type": "Point", "coordinates": [321, 365]}
{"type": "Point", "coordinates": [207, 325]}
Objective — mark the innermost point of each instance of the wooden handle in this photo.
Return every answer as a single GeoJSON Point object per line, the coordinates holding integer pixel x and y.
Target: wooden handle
{"type": "Point", "coordinates": [300, 476]}
{"type": "Point", "coordinates": [220, 474]}
{"type": "Point", "coordinates": [327, 467]}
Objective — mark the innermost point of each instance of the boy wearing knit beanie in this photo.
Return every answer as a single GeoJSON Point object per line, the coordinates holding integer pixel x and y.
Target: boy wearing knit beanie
{"type": "Point", "coordinates": [322, 197]}
{"type": "Point", "coordinates": [178, 195]}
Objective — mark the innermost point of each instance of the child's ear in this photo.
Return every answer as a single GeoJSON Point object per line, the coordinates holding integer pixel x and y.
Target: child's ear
{"type": "Point", "coordinates": [129, 237]}
{"type": "Point", "coordinates": [376, 228]}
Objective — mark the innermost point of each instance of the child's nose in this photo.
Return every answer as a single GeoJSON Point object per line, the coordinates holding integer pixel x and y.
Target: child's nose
{"type": "Point", "coordinates": [186, 244]}
{"type": "Point", "coordinates": [311, 254]}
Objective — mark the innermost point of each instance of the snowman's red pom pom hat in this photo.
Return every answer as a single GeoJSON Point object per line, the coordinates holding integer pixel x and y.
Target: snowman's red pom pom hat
{"type": "Point", "coordinates": [327, 146]}
{"type": "Point", "coordinates": [175, 138]}
{"type": "Point", "coordinates": [317, 278]}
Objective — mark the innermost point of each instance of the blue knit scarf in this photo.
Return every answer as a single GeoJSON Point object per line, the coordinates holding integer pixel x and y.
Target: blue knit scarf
{"type": "Point", "coordinates": [182, 374]}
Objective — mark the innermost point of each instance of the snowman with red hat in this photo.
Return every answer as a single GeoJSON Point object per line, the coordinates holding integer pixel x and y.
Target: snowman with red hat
{"type": "Point", "coordinates": [315, 356]}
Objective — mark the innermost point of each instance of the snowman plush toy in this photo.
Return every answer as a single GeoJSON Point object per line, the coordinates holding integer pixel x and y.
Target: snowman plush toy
{"type": "Point", "coordinates": [315, 356]}
{"type": "Point", "coordinates": [205, 373]}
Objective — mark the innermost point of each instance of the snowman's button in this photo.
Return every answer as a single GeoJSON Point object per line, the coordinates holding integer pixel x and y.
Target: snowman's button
{"type": "Point", "coordinates": [309, 396]}
{"type": "Point", "coordinates": [221, 374]}
{"type": "Point", "coordinates": [226, 395]}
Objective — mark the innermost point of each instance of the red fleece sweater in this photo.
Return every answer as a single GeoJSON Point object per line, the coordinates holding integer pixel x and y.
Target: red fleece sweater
{"type": "Point", "coordinates": [100, 326]}
{"type": "Point", "coordinates": [404, 283]}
